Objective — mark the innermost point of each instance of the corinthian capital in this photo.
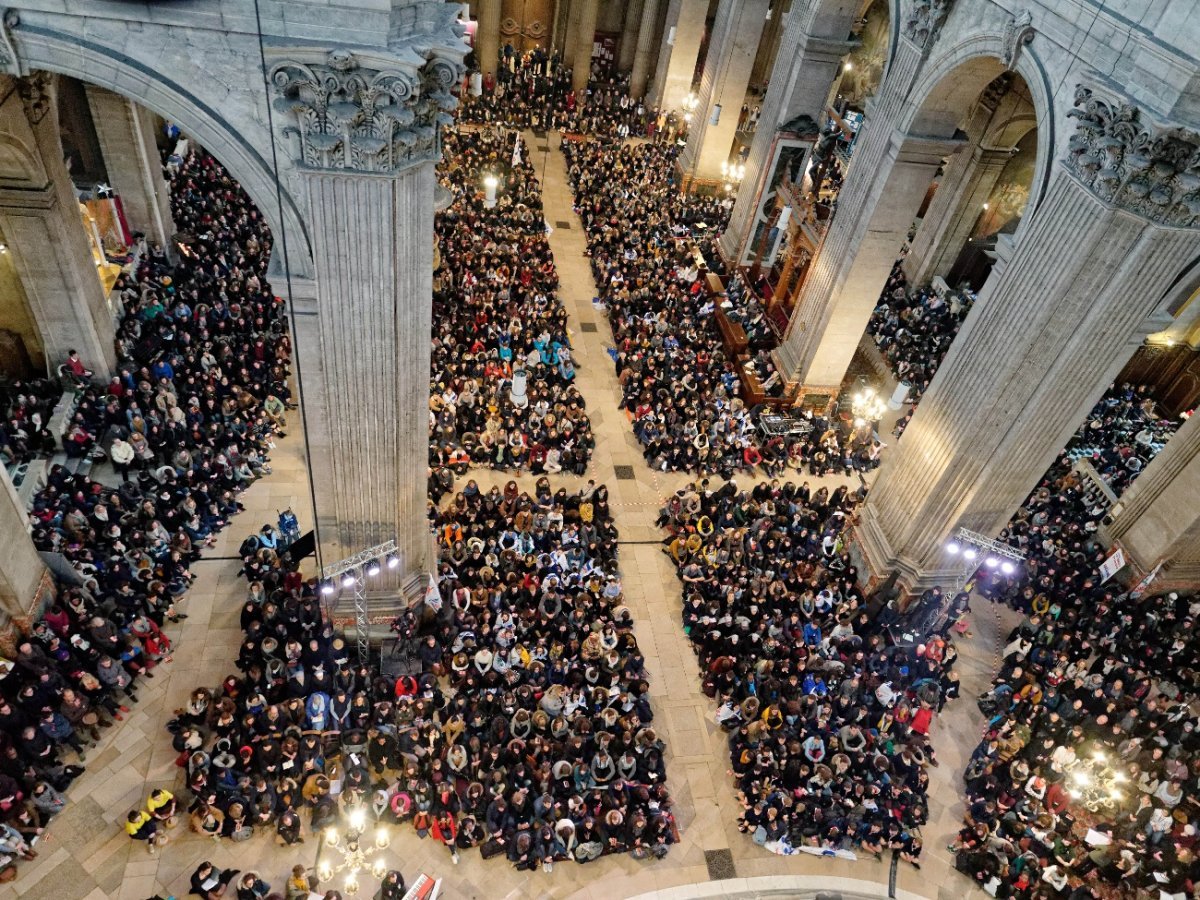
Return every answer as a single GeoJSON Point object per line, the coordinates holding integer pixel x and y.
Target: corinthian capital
{"type": "Point", "coordinates": [1151, 171]}
{"type": "Point", "coordinates": [353, 114]}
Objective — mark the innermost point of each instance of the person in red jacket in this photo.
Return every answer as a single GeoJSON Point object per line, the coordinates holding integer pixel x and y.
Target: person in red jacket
{"type": "Point", "coordinates": [445, 831]}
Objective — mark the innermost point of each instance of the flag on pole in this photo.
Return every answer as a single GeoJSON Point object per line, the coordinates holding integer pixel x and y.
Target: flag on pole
{"type": "Point", "coordinates": [433, 597]}
{"type": "Point", "coordinates": [516, 157]}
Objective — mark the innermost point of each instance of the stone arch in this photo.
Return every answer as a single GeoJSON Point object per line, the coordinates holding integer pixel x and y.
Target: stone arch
{"type": "Point", "coordinates": [956, 73]}
{"type": "Point", "coordinates": [1010, 132]}
{"type": "Point", "coordinates": [93, 62]}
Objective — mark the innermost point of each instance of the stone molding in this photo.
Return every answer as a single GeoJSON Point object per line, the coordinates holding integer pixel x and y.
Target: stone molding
{"type": "Point", "coordinates": [923, 21]}
{"type": "Point", "coordinates": [350, 116]}
{"type": "Point", "coordinates": [1149, 171]}
{"type": "Point", "coordinates": [10, 62]}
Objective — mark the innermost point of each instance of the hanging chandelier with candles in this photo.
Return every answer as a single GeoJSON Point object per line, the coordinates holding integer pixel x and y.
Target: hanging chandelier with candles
{"type": "Point", "coordinates": [358, 856]}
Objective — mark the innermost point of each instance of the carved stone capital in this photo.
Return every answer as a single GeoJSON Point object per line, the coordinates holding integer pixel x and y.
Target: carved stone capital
{"type": "Point", "coordinates": [923, 20]}
{"type": "Point", "coordinates": [1150, 171]}
{"type": "Point", "coordinates": [349, 115]}
{"type": "Point", "coordinates": [36, 91]}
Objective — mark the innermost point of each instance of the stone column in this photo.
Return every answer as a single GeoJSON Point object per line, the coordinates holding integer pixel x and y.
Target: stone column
{"type": "Point", "coordinates": [633, 24]}
{"type": "Point", "coordinates": [683, 34]}
{"type": "Point", "coordinates": [126, 133]}
{"type": "Point", "coordinates": [824, 330]}
{"type": "Point", "coordinates": [731, 52]}
{"type": "Point", "coordinates": [1052, 327]}
{"type": "Point", "coordinates": [366, 380]}
{"type": "Point", "coordinates": [585, 40]}
{"type": "Point", "coordinates": [40, 218]}
{"type": "Point", "coordinates": [645, 49]}
{"type": "Point", "coordinates": [23, 575]}
{"type": "Point", "coordinates": [811, 50]}
{"type": "Point", "coordinates": [966, 184]}
{"type": "Point", "coordinates": [487, 36]}
{"type": "Point", "coordinates": [570, 20]}
{"type": "Point", "coordinates": [765, 59]}
{"type": "Point", "coordinates": [1157, 519]}
{"type": "Point", "coordinates": [874, 213]}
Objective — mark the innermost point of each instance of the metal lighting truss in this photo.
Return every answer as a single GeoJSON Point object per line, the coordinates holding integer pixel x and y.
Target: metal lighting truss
{"type": "Point", "coordinates": [991, 549]}
{"type": "Point", "coordinates": [356, 568]}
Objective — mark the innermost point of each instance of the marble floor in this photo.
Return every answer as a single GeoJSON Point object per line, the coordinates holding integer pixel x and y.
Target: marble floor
{"type": "Point", "coordinates": [88, 855]}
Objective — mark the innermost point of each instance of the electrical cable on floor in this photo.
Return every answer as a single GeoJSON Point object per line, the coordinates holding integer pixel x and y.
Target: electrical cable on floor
{"type": "Point", "coordinates": [291, 302]}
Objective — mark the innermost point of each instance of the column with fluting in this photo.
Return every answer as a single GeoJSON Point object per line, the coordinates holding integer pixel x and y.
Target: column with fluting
{"type": "Point", "coordinates": [631, 28]}
{"type": "Point", "coordinates": [585, 40]}
{"type": "Point", "coordinates": [811, 50]}
{"type": "Point", "coordinates": [126, 132]}
{"type": "Point", "coordinates": [645, 49]}
{"type": "Point", "coordinates": [1157, 519]}
{"type": "Point", "coordinates": [363, 338]}
{"type": "Point", "coordinates": [487, 37]}
{"type": "Point", "coordinates": [966, 185]}
{"type": "Point", "coordinates": [1050, 330]}
{"type": "Point", "coordinates": [821, 337]}
{"type": "Point", "coordinates": [42, 223]}
{"type": "Point", "coordinates": [735, 37]}
{"type": "Point", "coordinates": [683, 34]}
{"type": "Point", "coordinates": [374, 267]}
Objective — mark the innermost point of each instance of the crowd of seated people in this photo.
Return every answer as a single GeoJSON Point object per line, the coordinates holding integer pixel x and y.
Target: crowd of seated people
{"type": "Point", "coordinates": [828, 698]}
{"type": "Point", "coordinates": [679, 387]}
{"type": "Point", "coordinates": [27, 409]}
{"type": "Point", "coordinates": [1097, 689]}
{"type": "Point", "coordinates": [201, 348]}
{"type": "Point", "coordinates": [914, 329]}
{"type": "Point", "coordinates": [502, 388]}
{"type": "Point", "coordinates": [524, 729]}
{"type": "Point", "coordinates": [1122, 434]}
{"type": "Point", "coordinates": [532, 90]}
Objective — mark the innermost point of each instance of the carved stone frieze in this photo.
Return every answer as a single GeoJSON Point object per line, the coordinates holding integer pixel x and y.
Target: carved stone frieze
{"type": "Point", "coordinates": [349, 116]}
{"type": "Point", "coordinates": [923, 20]}
{"type": "Point", "coordinates": [1152, 172]}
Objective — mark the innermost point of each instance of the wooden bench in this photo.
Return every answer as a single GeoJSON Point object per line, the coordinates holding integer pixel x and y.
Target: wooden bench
{"type": "Point", "coordinates": [733, 335]}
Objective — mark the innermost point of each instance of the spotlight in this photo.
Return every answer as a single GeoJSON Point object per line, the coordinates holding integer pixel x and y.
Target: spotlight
{"type": "Point", "coordinates": [348, 579]}
{"type": "Point", "coordinates": [991, 562]}
{"type": "Point", "coordinates": [970, 553]}
{"type": "Point", "coordinates": [952, 548]}
{"type": "Point", "coordinates": [373, 568]}
{"type": "Point", "coordinates": [327, 588]}
{"type": "Point", "coordinates": [1007, 568]}
{"type": "Point", "coordinates": [392, 560]}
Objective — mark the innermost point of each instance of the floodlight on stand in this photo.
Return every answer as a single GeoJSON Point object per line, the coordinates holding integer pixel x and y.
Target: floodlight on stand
{"type": "Point", "coordinates": [392, 560]}
{"type": "Point", "coordinates": [348, 580]}
{"type": "Point", "coordinates": [991, 562]}
{"type": "Point", "coordinates": [373, 568]}
{"type": "Point", "coordinates": [952, 548]}
{"type": "Point", "coordinates": [327, 588]}
{"type": "Point", "coordinates": [970, 553]}
{"type": "Point", "coordinates": [1007, 568]}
